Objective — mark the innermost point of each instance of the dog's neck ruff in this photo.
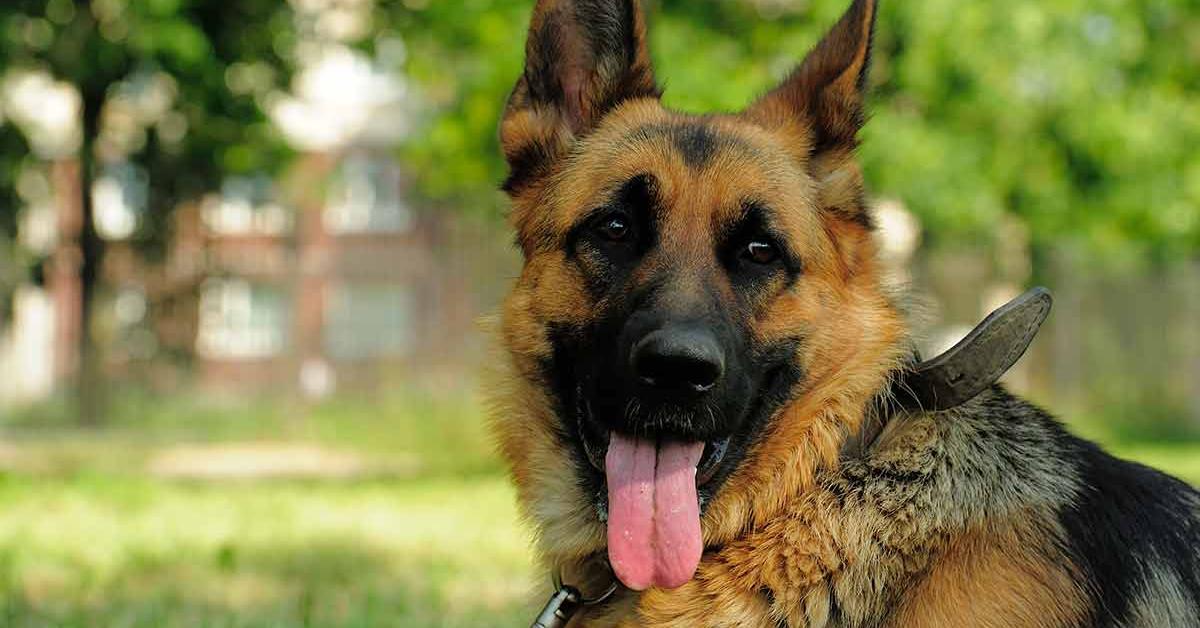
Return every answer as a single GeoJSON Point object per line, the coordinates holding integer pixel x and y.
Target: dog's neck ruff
{"type": "Point", "coordinates": [960, 374]}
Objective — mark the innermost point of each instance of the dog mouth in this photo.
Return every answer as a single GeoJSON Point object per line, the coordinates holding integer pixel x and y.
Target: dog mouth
{"type": "Point", "coordinates": [652, 466]}
{"type": "Point", "coordinates": [651, 500]}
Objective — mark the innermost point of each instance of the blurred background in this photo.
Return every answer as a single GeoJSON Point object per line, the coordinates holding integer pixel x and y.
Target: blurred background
{"type": "Point", "coordinates": [245, 246]}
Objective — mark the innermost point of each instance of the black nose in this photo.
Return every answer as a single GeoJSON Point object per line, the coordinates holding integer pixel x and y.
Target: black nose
{"type": "Point", "coordinates": [679, 359]}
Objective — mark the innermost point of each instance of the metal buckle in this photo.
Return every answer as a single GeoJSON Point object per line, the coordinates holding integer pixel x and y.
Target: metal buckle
{"type": "Point", "coordinates": [565, 602]}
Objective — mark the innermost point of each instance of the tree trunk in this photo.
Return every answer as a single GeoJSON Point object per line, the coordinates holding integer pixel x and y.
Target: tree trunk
{"type": "Point", "coordinates": [63, 271]}
{"type": "Point", "coordinates": [89, 387]}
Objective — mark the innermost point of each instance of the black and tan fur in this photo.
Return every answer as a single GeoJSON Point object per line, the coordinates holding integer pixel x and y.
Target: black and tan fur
{"type": "Point", "coordinates": [986, 515]}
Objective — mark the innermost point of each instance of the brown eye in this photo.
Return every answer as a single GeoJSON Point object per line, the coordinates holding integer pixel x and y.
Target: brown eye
{"type": "Point", "coordinates": [760, 252]}
{"type": "Point", "coordinates": [614, 228]}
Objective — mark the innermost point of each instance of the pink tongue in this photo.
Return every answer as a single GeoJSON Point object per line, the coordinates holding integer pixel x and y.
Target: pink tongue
{"type": "Point", "coordinates": [653, 513]}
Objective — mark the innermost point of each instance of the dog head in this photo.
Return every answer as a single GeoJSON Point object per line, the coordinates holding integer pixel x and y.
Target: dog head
{"type": "Point", "coordinates": [699, 317]}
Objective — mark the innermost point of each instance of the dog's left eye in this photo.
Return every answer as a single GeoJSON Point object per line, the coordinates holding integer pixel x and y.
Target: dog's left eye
{"type": "Point", "coordinates": [614, 228]}
{"type": "Point", "coordinates": [760, 252]}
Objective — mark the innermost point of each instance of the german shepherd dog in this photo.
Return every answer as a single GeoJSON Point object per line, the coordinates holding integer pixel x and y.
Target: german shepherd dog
{"type": "Point", "coordinates": [700, 392]}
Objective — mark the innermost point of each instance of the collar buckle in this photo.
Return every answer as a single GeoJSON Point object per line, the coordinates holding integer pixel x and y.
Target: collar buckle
{"type": "Point", "coordinates": [566, 602]}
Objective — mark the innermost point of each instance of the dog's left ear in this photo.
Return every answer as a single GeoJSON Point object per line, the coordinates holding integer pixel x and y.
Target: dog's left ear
{"type": "Point", "coordinates": [819, 108]}
{"type": "Point", "coordinates": [583, 59]}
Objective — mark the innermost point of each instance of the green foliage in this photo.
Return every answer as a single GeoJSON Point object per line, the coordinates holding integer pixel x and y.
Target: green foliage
{"type": "Point", "coordinates": [1073, 116]}
{"type": "Point", "coordinates": [95, 45]}
{"type": "Point", "coordinates": [12, 266]}
{"type": "Point", "coordinates": [1080, 119]}
{"type": "Point", "coordinates": [465, 57]}
{"type": "Point", "coordinates": [12, 149]}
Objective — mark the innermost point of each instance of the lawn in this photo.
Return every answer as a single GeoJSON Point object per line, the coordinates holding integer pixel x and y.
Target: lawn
{"type": "Point", "coordinates": [424, 534]}
{"type": "Point", "coordinates": [112, 551]}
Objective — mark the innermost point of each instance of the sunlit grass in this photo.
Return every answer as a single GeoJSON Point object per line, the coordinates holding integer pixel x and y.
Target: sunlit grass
{"type": "Point", "coordinates": [1180, 460]}
{"type": "Point", "coordinates": [1176, 455]}
{"type": "Point", "coordinates": [101, 551]}
{"type": "Point", "coordinates": [88, 537]}
{"type": "Point", "coordinates": [424, 434]}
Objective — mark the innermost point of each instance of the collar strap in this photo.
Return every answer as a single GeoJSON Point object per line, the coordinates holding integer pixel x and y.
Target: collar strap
{"type": "Point", "coordinates": [957, 376]}
{"type": "Point", "coordinates": [978, 360]}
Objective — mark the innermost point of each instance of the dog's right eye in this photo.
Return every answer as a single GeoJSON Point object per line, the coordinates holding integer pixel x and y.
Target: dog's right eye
{"type": "Point", "coordinates": [619, 230]}
{"type": "Point", "coordinates": [615, 227]}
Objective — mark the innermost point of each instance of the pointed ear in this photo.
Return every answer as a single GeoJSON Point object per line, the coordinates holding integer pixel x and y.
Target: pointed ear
{"type": "Point", "coordinates": [582, 59]}
{"type": "Point", "coordinates": [827, 91]}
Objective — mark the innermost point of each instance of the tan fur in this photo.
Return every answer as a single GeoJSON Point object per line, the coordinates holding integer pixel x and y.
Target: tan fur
{"type": "Point", "coordinates": [995, 580]}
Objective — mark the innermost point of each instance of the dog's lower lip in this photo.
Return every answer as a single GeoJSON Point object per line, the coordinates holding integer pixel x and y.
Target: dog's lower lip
{"type": "Point", "coordinates": [710, 461]}
{"type": "Point", "coordinates": [714, 453]}
{"type": "Point", "coordinates": [595, 454]}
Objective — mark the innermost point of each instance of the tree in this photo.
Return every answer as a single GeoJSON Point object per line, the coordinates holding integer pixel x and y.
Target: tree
{"type": "Point", "coordinates": [12, 146]}
{"type": "Point", "coordinates": [190, 49]}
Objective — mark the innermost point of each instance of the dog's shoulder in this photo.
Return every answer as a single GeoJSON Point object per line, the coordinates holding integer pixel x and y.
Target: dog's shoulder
{"type": "Point", "coordinates": [1128, 534]}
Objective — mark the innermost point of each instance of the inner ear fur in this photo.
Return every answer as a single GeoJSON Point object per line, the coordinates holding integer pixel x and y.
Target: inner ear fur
{"type": "Point", "coordinates": [583, 58]}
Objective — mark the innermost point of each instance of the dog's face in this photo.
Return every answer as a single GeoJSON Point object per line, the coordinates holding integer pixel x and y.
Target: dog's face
{"type": "Point", "coordinates": [696, 290]}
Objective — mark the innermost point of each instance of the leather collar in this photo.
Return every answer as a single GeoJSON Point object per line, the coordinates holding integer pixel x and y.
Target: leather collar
{"type": "Point", "coordinates": [961, 373]}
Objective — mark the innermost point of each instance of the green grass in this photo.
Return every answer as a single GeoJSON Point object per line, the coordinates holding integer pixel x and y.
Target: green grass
{"type": "Point", "coordinates": [1179, 459]}
{"type": "Point", "coordinates": [431, 435]}
{"type": "Point", "coordinates": [88, 538]}
{"type": "Point", "coordinates": [106, 551]}
{"type": "Point", "coordinates": [1175, 451]}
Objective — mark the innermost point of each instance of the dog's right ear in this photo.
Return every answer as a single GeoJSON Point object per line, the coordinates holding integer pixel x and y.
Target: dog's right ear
{"type": "Point", "coordinates": [583, 58]}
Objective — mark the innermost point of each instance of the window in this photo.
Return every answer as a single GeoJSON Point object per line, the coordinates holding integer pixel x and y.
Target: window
{"type": "Point", "coordinates": [242, 321]}
{"type": "Point", "coordinates": [246, 206]}
{"type": "Point", "coordinates": [369, 321]}
{"type": "Point", "coordinates": [366, 197]}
